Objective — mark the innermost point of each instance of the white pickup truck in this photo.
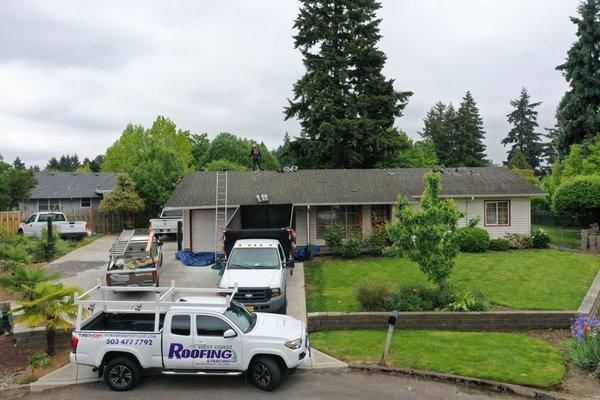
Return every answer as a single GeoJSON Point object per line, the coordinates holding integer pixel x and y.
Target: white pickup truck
{"type": "Point", "coordinates": [37, 222]}
{"type": "Point", "coordinates": [207, 333]}
{"type": "Point", "coordinates": [166, 224]}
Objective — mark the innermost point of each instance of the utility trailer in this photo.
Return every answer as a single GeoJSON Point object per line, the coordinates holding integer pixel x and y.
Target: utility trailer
{"type": "Point", "coordinates": [135, 260]}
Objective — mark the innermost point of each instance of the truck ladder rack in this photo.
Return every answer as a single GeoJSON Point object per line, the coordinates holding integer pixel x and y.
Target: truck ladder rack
{"type": "Point", "coordinates": [165, 298]}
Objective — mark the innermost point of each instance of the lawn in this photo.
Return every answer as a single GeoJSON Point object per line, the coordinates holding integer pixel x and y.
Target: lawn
{"type": "Point", "coordinates": [503, 357]}
{"type": "Point", "coordinates": [567, 237]}
{"type": "Point", "coordinates": [524, 280]}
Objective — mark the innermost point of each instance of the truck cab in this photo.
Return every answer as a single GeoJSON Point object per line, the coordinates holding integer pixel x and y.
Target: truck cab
{"type": "Point", "coordinates": [260, 268]}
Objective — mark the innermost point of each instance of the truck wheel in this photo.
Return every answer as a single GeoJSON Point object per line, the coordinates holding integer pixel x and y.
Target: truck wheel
{"type": "Point", "coordinates": [265, 373]}
{"type": "Point", "coordinates": [20, 231]}
{"type": "Point", "coordinates": [121, 374]}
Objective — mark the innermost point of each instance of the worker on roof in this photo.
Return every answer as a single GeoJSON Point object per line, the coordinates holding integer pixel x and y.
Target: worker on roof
{"type": "Point", "coordinates": [256, 157]}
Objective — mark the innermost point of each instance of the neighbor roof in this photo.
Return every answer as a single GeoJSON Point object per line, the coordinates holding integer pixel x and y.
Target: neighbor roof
{"type": "Point", "coordinates": [69, 185]}
{"type": "Point", "coordinates": [345, 186]}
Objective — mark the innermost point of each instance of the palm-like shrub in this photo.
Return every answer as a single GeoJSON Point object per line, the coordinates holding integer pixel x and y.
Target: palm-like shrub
{"type": "Point", "coordinates": [23, 280]}
{"type": "Point", "coordinates": [51, 305]}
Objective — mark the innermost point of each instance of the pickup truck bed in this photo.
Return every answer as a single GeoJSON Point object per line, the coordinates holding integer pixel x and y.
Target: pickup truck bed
{"type": "Point", "coordinates": [116, 321]}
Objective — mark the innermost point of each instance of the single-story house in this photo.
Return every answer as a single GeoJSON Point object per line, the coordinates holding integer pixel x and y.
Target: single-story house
{"type": "Point", "coordinates": [68, 192]}
{"type": "Point", "coordinates": [358, 199]}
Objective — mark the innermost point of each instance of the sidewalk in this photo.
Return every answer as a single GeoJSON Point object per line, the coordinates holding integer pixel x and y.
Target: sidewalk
{"type": "Point", "coordinates": [70, 374]}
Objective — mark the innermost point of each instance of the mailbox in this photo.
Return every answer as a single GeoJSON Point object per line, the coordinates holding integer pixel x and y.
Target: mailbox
{"type": "Point", "coordinates": [393, 318]}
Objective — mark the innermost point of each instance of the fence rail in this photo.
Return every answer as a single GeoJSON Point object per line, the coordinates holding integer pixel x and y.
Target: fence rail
{"type": "Point", "coordinates": [11, 219]}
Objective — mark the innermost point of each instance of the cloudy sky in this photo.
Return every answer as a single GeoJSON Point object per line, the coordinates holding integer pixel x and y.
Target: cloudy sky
{"type": "Point", "coordinates": [74, 73]}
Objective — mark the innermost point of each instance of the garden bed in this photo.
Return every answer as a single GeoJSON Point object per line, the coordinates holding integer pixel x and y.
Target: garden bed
{"type": "Point", "coordinates": [514, 280]}
{"type": "Point", "coordinates": [505, 357]}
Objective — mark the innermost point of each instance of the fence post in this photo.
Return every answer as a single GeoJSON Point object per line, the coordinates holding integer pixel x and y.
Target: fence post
{"type": "Point", "coordinates": [49, 246]}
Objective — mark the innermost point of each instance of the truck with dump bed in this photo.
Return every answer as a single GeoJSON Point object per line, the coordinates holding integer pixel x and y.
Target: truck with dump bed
{"type": "Point", "coordinates": [205, 332]}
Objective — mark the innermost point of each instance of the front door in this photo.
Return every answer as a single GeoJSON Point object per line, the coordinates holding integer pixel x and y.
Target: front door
{"type": "Point", "coordinates": [213, 351]}
{"type": "Point", "coordinates": [178, 342]}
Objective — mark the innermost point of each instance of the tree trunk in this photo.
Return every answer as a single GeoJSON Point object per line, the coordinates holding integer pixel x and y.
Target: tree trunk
{"type": "Point", "coordinates": [50, 342]}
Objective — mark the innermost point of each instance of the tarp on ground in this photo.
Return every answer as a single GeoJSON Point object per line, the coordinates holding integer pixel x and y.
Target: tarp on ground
{"type": "Point", "coordinates": [302, 253]}
{"type": "Point", "coordinates": [201, 259]}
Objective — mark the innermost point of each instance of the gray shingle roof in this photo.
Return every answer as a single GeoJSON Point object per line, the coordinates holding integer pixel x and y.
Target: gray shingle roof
{"type": "Point", "coordinates": [68, 185]}
{"type": "Point", "coordinates": [338, 186]}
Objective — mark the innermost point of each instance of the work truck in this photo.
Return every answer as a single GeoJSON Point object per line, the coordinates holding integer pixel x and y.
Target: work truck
{"type": "Point", "coordinates": [135, 260]}
{"type": "Point", "coordinates": [259, 261]}
{"type": "Point", "coordinates": [37, 222]}
{"type": "Point", "coordinates": [204, 332]}
{"type": "Point", "coordinates": [166, 224]}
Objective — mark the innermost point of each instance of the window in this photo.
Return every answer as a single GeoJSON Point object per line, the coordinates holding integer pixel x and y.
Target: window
{"type": "Point", "coordinates": [348, 217]}
{"type": "Point", "coordinates": [86, 202]}
{"type": "Point", "coordinates": [380, 214]}
{"type": "Point", "coordinates": [497, 213]}
{"type": "Point", "coordinates": [55, 217]}
{"type": "Point", "coordinates": [210, 326]}
{"type": "Point", "coordinates": [48, 204]}
{"type": "Point", "coordinates": [253, 258]}
{"type": "Point", "coordinates": [180, 325]}
{"type": "Point", "coordinates": [31, 219]}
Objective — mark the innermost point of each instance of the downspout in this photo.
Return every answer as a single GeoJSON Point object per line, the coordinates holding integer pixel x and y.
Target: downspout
{"type": "Point", "coordinates": [308, 230]}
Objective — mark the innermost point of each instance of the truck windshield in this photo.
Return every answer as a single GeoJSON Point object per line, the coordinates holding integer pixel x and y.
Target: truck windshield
{"type": "Point", "coordinates": [240, 316]}
{"type": "Point", "coordinates": [172, 214]}
{"type": "Point", "coordinates": [253, 258]}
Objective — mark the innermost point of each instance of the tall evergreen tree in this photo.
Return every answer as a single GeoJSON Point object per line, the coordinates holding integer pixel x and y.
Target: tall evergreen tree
{"type": "Point", "coordinates": [578, 113]}
{"type": "Point", "coordinates": [18, 164]}
{"type": "Point", "coordinates": [522, 137]}
{"type": "Point", "coordinates": [345, 105]}
{"type": "Point", "coordinates": [438, 131]}
{"type": "Point", "coordinates": [468, 142]}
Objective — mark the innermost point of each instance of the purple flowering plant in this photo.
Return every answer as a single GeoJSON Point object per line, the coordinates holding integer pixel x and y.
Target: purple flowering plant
{"type": "Point", "coordinates": [584, 325]}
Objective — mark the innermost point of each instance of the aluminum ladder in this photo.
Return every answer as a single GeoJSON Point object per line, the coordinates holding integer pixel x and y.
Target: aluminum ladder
{"type": "Point", "coordinates": [120, 246]}
{"type": "Point", "coordinates": [220, 207]}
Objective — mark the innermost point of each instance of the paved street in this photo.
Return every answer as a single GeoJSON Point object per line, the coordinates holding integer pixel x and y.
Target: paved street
{"type": "Point", "coordinates": [302, 385]}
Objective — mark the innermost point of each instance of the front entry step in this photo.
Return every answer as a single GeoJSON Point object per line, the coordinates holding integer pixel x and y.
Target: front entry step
{"type": "Point", "coordinates": [204, 372]}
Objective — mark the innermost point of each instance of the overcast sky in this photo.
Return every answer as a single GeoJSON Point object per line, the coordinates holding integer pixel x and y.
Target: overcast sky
{"type": "Point", "coordinates": [74, 73]}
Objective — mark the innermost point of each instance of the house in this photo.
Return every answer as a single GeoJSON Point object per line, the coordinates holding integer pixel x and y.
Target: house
{"type": "Point", "coordinates": [69, 192]}
{"type": "Point", "coordinates": [358, 199]}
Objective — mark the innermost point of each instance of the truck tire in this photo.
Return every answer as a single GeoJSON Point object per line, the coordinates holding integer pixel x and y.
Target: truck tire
{"type": "Point", "coordinates": [265, 373]}
{"type": "Point", "coordinates": [20, 231]}
{"type": "Point", "coordinates": [121, 374]}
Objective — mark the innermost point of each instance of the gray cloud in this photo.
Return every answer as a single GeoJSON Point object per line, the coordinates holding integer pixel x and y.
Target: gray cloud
{"type": "Point", "coordinates": [74, 73]}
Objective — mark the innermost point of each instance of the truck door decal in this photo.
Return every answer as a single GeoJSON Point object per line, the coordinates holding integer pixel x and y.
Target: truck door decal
{"type": "Point", "coordinates": [213, 354]}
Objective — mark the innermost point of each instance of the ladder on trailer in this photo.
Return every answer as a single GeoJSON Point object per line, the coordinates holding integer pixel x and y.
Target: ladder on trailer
{"type": "Point", "coordinates": [120, 246]}
{"type": "Point", "coordinates": [220, 207]}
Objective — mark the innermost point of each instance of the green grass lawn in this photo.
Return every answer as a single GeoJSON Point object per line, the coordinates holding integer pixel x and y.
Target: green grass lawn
{"type": "Point", "coordinates": [567, 237]}
{"type": "Point", "coordinates": [525, 280]}
{"type": "Point", "coordinates": [503, 357]}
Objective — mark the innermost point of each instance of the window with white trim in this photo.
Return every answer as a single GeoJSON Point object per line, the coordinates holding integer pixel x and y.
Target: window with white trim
{"type": "Point", "coordinates": [86, 202]}
{"type": "Point", "coordinates": [48, 204]}
{"type": "Point", "coordinates": [497, 213]}
{"type": "Point", "coordinates": [347, 217]}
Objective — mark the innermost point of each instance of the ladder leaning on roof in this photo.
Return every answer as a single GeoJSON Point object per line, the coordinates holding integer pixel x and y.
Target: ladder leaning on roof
{"type": "Point", "coordinates": [220, 207]}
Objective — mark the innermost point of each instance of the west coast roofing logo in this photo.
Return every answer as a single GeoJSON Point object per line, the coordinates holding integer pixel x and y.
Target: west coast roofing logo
{"type": "Point", "coordinates": [211, 353]}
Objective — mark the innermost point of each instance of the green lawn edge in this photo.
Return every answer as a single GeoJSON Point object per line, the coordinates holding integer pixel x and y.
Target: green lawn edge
{"type": "Point", "coordinates": [505, 357]}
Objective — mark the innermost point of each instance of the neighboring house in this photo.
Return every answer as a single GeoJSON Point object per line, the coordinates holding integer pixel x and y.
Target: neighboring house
{"type": "Point", "coordinates": [355, 199]}
{"type": "Point", "coordinates": [69, 192]}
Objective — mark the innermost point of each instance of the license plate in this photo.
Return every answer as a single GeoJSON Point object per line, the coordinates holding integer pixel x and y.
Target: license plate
{"type": "Point", "coordinates": [250, 307]}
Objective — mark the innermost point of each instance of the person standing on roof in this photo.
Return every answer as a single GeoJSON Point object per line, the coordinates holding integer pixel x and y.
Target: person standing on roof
{"type": "Point", "coordinates": [256, 157]}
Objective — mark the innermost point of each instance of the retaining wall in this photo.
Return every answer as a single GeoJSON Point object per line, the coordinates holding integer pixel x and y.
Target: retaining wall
{"type": "Point", "coordinates": [455, 321]}
{"type": "Point", "coordinates": [35, 339]}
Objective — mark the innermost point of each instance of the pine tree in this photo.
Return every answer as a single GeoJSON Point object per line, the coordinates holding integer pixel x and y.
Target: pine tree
{"type": "Point", "coordinates": [578, 113]}
{"type": "Point", "coordinates": [438, 132]}
{"type": "Point", "coordinates": [345, 105]}
{"type": "Point", "coordinates": [18, 164]}
{"type": "Point", "coordinates": [52, 165]}
{"type": "Point", "coordinates": [469, 146]}
{"type": "Point", "coordinates": [522, 137]}
{"type": "Point", "coordinates": [448, 156]}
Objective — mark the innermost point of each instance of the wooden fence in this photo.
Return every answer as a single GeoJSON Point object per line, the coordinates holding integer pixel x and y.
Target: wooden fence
{"type": "Point", "coordinates": [11, 219]}
{"type": "Point", "coordinates": [111, 223]}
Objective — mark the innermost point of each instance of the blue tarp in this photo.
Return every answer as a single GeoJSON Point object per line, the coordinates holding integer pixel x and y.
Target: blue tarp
{"type": "Point", "coordinates": [302, 253]}
{"type": "Point", "coordinates": [201, 259]}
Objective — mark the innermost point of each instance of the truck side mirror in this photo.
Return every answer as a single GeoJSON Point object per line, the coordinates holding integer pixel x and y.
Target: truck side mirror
{"type": "Point", "coordinates": [229, 333]}
{"type": "Point", "coordinates": [290, 264]}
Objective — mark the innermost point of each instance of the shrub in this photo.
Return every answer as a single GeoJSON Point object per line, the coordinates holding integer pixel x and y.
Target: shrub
{"type": "Point", "coordinates": [352, 247]}
{"type": "Point", "coordinates": [5, 233]}
{"type": "Point", "coordinates": [377, 241]}
{"type": "Point", "coordinates": [464, 300]}
{"type": "Point", "coordinates": [585, 347]}
{"type": "Point", "coordinates": [578, 197]}
{"type": "Point", "coordinates": [373, 296]}
{"type": "Point", "coordinates": [334, 238]}
{"type": "Point", "coordinates": [473, 240]}
{"type": "Point", "coordinates": [224, 165]}
{"type": "Point", "coordinates": [540, 239]}
{"type": "Point", "coordinates": [519, 241]}
{"type": "Point", "coordinates": [499, 245]}
{"type": "Point", "coordinates": [419, 298]}
{"type": "Point", "coordinates": [39, 359]}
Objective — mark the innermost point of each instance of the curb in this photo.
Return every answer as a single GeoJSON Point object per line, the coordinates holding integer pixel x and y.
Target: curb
{"type": "Point", "coordinates": [14, 391]}
{"type": "Point", "coordinates": [464, 381]}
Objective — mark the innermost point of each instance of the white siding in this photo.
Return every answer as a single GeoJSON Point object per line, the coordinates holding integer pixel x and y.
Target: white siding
{"type": "Point", "coordinates": [186, 229]}
{"type": "Point", "coordinates": [366, 220]}
{"type": "Point", "coordinates": [520, 215]}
